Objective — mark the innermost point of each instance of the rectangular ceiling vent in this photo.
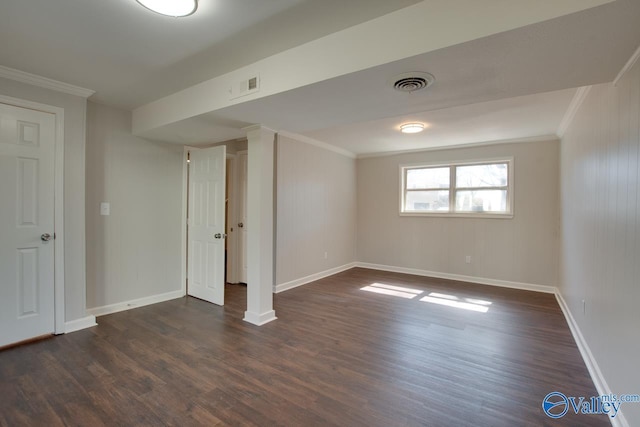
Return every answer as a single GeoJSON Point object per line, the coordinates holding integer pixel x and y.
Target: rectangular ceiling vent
{"type": "Point", "coordinates": [244, 87]}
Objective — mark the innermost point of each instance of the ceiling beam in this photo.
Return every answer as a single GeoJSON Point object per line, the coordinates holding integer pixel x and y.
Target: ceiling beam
{"type": "Point", "coordinates": [414, 30]}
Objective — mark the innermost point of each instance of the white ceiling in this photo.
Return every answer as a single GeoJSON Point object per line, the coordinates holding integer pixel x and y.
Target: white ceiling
{"type": "Point", "coordinates": [131, 56]}
{"type": "Point", "coordinates": [512, 85]}
{"type": "Point", "coordinates": [517, 118]}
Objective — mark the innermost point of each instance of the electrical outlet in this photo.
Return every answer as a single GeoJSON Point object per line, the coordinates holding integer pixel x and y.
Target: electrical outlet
{"type": "Point", "coordinates": [468, 259]}
{"type": "Point", "coordinates": [326, 255]}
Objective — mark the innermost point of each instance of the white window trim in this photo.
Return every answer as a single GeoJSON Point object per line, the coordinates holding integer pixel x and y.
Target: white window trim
{"type": "Point", "coordinates": [493, 215]}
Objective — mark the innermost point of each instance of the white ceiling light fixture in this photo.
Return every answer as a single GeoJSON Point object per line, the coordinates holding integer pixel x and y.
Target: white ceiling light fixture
{"type": "Point", "coordinates": [412, 127]}
{"type": "Point", "coordinates": [175, 8]}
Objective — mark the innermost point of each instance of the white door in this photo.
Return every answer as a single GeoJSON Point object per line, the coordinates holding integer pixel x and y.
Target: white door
{"type": "Point", "coordinates": [232, 232]}
{"type": "Point", "coordinates": [242, 216]}
{"type": "Point", "coordinates": [207, 224]}
{"type": "Point", "coordinates": [27, 144]}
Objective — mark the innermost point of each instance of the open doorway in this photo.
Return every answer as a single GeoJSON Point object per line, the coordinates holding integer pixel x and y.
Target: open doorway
{"type": "Point", "coordinates": [237, 266]}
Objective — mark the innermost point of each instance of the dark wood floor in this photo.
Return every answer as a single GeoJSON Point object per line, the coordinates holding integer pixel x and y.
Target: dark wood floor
{"type": "Point", "coordinates": [337, 355]}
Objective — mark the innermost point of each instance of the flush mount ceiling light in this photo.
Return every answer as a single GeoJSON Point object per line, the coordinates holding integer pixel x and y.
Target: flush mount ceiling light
{"type": "Point", "coordinates": [412, 128]}
{"type": "Point", "coordinates": [175, 8]}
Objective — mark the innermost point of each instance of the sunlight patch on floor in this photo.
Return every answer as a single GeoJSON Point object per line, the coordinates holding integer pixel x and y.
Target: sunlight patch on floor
{"type": "Point", "coordinates": [472, 304]}
{"type": "Point", "coordinates": [396, 291]}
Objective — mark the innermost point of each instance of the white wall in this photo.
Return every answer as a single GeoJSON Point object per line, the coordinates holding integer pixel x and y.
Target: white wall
{"type": "Point", "coordinates": [600, 164]}
{"type": "Point", "coordinates": [136, 251]}
{"type": "Point", "coordinates": [523, 249]}
{"type": "Point", "coordinates": [316, 209]}
{"type": "Point", "coordinates": [74, 197]}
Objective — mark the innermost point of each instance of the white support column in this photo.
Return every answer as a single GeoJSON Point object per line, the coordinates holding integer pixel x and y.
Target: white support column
{"type": "Point", "coordinates": [260, 224]}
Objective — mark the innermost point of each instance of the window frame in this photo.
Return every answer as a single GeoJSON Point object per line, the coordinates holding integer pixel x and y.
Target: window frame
{"type": "Point", "coordinates": [452, 213]}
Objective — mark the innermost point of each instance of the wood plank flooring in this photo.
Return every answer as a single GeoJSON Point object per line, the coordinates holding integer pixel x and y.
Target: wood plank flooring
{"type": "Point", "coordinates": [336, 356]}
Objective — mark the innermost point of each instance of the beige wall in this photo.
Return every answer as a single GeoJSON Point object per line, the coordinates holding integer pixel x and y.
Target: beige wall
{"type": "Point", "coordinates": [523, 249]}
{"type": "Point", "coordinates": [136, 251]}
{"type": "Point", "coordinates": [316, 210]}
{"type": "Point", "coordinates": [74, 197]}
{"type": "Point", "coordinates": [600, 158]}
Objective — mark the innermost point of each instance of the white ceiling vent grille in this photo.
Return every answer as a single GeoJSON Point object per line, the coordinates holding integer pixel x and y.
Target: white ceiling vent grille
{"type": "Point", "coordinates": [244, 87]}
{"type": "Point", "coordinates": [413, 81]}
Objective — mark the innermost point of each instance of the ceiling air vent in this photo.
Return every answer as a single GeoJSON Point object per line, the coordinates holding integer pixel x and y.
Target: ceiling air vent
{"type": "Point", "coordinates": [244, 87]}
{"type": "Point", "coordinates": [413, 81]}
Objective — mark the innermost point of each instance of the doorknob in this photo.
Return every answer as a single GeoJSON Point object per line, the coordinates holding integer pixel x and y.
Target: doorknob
{"type": "Point", "coordinates": [241, 225]}
{"type": "Point", "coordinates": [219, 236]}
{"type": "Point", "coordinates": [45, 237]}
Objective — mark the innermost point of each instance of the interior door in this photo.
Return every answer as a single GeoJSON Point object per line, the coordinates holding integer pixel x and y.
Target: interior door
{"type": "Point", "coordinates": [206, 257]}
{"type": "Point", "coordinates": [242, 216]}
{"type": "Point", "coordinates": [27, 145]}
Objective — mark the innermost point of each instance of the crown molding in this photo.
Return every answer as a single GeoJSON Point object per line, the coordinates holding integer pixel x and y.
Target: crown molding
{"type": "Point", "coordinates": [252, 128]}
{"type": "Point", "coordinates": [44, 82]}
{"type": "Point", "coordinates": [630, 63]}
{"type": "Point", "coordinates": [572, 110]}
{"type": "Point", "coordinates": [541, 138]}
{"type": "Point", "coordinates": [317, 143]}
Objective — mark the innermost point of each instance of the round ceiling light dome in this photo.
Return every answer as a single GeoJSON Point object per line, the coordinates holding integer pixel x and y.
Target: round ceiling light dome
{"type": "Point", "coordinates": [412, 81]}
{"type": "Point", "coordinates": [175, 8]}
{"type": "Point", "coordinates": [412, 127]}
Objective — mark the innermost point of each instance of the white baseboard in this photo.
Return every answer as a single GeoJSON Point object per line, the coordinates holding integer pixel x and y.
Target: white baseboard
{"type": "Point", "coordinates": [78, 324]}
{"type": "Point", "coordinates": [312, 278]}
{"type": "Point", "coordinates": [594, 370]}
{"type": "Point", "coordinates": [417, 272]}
{"type": "Point", "coordinates": [259, 319]}
{"type": "Point", "coordinates": [140, 302]}
{"type": "Point", "coordinates": [461, 278]}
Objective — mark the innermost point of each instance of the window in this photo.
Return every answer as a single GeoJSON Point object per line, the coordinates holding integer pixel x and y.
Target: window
{"type": "Point", "coordinates": [483, 188]}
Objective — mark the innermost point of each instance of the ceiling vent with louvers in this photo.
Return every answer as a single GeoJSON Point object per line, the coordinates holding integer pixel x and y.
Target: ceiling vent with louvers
{"type": "Point", "coordinates": [413, 81]}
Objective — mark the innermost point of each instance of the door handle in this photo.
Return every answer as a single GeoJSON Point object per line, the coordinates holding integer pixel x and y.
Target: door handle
{"type": "Point", "coordinates": [219, 236]}
{"type": "Point", "coordinates": [241, 225]}
{"type": "Point", "coordinates": [45, 237]}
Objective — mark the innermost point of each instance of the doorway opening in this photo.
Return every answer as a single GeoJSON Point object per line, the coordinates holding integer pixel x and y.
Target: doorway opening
{"type": "Point", "coordinates": [237, 265]}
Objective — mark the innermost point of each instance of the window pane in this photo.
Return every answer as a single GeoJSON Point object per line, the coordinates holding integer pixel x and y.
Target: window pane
{"type": "Point", "coordinates": [494, 175]}
{"type": "Point", "coordinates": [427, 178]}
{"type": "Point", "coordinates": [481, 201]}
{"type": "Point", "coordinates": [426, 201]}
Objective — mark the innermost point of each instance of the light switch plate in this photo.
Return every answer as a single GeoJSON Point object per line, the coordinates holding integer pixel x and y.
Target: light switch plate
{"type": "Point", "coordinates": [105, 208]}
